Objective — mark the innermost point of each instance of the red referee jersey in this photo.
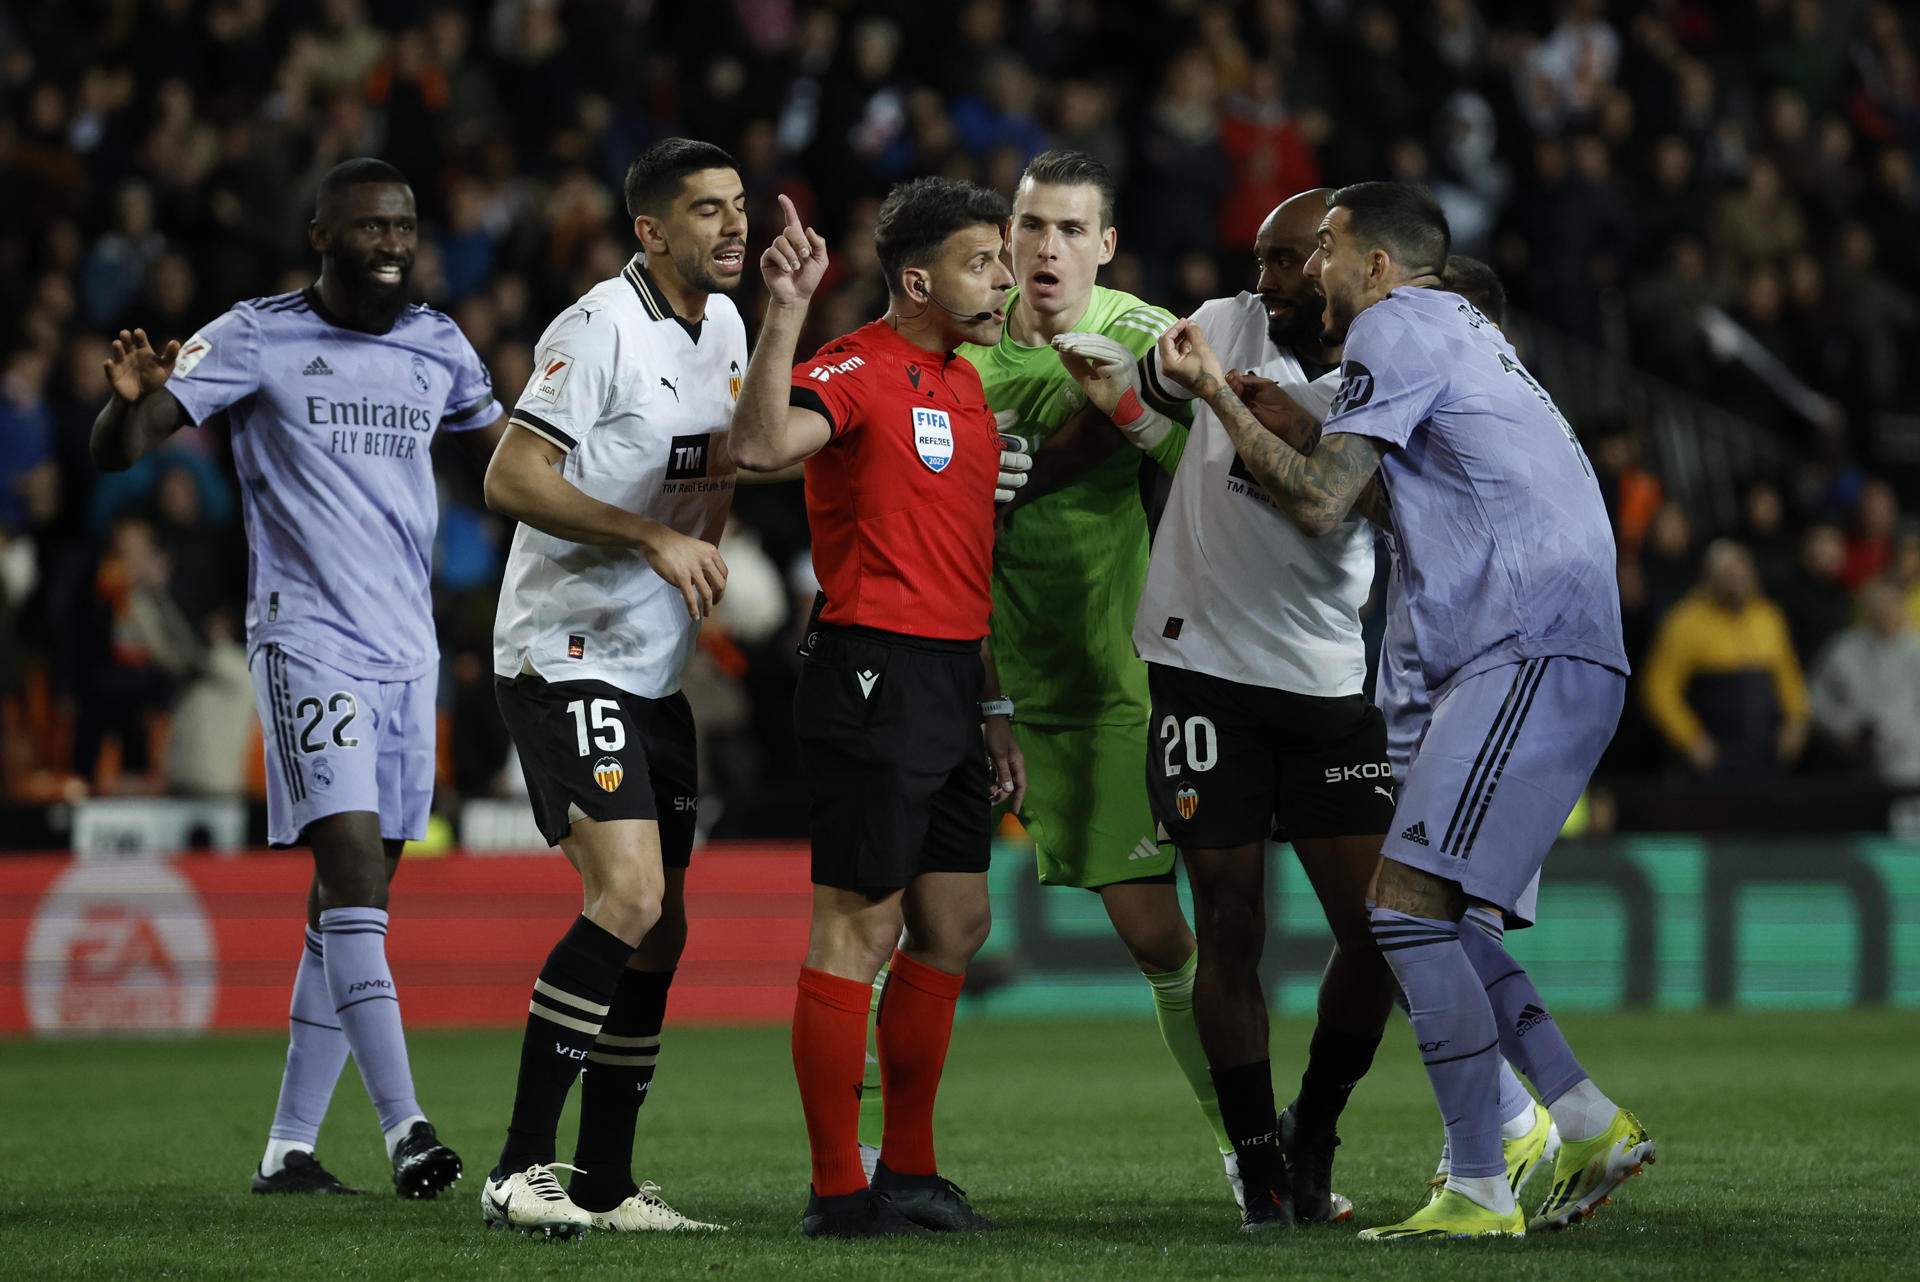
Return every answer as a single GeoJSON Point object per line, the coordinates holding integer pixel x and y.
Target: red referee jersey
{"type": "Point", "coordinates": [900, 502]}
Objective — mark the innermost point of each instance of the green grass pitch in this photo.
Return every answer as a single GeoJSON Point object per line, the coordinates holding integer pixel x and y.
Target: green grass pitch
{"type": "Point", "coordinates": [1785, 1146]}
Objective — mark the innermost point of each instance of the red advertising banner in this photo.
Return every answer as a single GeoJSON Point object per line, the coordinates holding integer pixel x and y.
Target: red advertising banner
{"type": "Point", "coordinates": [211, 942]}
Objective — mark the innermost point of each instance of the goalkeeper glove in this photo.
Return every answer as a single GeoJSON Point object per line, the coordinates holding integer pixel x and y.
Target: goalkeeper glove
{"type": "Point", "coordinates": [1016, 457]}
{"type": "Point", "coordinates": [1114, 386]}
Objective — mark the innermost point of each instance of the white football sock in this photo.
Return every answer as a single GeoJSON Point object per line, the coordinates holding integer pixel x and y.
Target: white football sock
{"type": "Point", "coordinates": [1517, 1126]}
{"type": "Point", "coordinates": [1583, 1112]}
{"type": "Point", "coordinates": [275, 1160]}
{"type": "Point", "coordinates": [398, 1131]}
{"type": "Point", "coordinates": [1490, 1191]}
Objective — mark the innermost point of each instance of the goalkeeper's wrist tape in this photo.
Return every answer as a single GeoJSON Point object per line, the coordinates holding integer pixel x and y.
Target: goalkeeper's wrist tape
{"type": "Point", "coordinates": [1001, 707]}
{"type": "Point", "coordinates": [1139, 422]}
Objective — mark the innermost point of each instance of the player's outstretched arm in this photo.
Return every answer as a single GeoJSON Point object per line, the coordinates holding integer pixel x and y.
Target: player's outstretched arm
{"type": "Point", "coordinates": [1316, 491]}
{"type": "Point", "coordinates": [770, 433]}
{"type": "Point", "coordinates": [524, 482]}
{"type": "Point", "coordinates": [141, 413]}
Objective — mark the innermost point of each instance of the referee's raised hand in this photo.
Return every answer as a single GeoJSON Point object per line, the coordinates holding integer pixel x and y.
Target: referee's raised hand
{"type": "Point", "coordinates": [795, 261]}
{"type": "Point", "coordinates": [692, 565]}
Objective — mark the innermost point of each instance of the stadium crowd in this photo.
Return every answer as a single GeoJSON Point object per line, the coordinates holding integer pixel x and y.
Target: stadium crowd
{"type": "Point", "coordinates": [1724, 194]}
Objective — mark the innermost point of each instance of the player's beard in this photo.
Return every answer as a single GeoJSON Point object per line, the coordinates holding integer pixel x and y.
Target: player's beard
{"type": "Point", "coordinates": [1337, 321]}
{"type": "Point", "coordinates": [696, 269]}
{"type": "Point", "coordinates": [375, 305]}
{"type": "Point", "coordinates": [1300, 329]}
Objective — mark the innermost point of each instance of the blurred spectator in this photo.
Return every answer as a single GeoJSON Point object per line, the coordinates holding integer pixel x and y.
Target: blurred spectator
{"type": "Point", "coordinates": [115, 271]}
{"type": "Point", "coordinates": [1870, 546]}
{"type": "Point", "coordinates": [1270, 156]}
{"type": "Point", "coordinates": [213, 721]}
{"type": "Point", "coordinates": [1906, 571]}
{"type": "Point", "coordinates": [1758, 225]}
{"type": "Point", "coordinates": [1722, 683]}
{"type": "Point", "coordinates": [1866, 688]}
{"type": "Point", "coordinates": [139, 646]}
{"type": "Point", "coordinates": [1814, 595]}
{"type": "Point", "coordinates": [29, 480]}
{"type": "Point", "coordinates": [1765, 534]}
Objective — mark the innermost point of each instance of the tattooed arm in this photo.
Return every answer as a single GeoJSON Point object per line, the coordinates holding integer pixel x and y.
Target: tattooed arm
{"type": "Point", "coordinates": [1293, 423]}
{"type": "Point", "coordinates": [1315, 490]}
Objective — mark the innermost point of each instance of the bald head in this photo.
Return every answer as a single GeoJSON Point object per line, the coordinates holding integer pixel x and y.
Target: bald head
{"type": "Point", "coordinates": [1281, 249]}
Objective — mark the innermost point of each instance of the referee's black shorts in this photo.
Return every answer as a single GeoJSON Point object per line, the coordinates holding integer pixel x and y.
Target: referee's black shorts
{"type": "Point", "coordinates": [889, 731]}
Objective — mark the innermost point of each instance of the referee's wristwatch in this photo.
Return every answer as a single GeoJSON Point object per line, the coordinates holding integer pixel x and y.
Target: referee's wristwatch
{"type": "Point", "coordinates": [1001, 707]}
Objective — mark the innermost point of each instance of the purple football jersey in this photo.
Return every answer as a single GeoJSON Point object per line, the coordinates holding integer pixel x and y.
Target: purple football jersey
{"type": "Point", "coordinates": [1399, 683]}
{"type": "Point", "coordinates": [1505, 549]}
{"type": "Point", "coordinates": [331, 432]}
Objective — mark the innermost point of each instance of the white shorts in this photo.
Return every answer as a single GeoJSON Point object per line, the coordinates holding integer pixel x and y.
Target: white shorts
{"type": "Point", "coordinates": [337, 743]}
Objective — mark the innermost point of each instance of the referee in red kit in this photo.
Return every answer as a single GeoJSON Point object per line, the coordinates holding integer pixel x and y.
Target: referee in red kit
{"type": "Point", "coordinates": [906, 740]}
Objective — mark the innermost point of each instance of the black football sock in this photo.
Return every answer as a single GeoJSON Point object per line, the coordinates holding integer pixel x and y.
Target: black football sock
{"type": "Point", "coordinates": [1247, 1111]}
{"type": "Point", "coordinates": [614, 1085]}
{"type": "Point", "coordinates": [570, 1001]}
{"type": "Point", "coordinates": [1336, 1062]}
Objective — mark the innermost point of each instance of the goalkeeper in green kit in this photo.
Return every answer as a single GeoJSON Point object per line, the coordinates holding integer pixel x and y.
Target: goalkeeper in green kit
{"type": "Point", "coordinates": [1069, 567]}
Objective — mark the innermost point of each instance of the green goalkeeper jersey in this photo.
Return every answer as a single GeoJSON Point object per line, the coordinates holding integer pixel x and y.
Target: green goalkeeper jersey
{"type": "Point", "coordinates": [1068, 568]}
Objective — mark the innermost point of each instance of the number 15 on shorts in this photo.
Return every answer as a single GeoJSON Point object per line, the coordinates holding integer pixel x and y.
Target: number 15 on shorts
{"type": "Point", "coordinates": [609, 732]}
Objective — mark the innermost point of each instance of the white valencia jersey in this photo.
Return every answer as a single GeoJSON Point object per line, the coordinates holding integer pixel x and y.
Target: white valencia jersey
{"type": "Point", "coordinates": [1234, 589]}
{"type": "Point", "coordinates": [641, 402]}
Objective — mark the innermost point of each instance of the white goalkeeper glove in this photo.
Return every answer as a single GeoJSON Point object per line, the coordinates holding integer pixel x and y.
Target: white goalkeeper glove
{"type": "Point", "coordinates": [1016, 457]}
{"type": "Point", "coordinates": [1109, 374]}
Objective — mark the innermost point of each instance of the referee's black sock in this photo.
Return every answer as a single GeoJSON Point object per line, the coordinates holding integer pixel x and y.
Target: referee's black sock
{"type": "Point", "coordinates": [1336, 1061]}
{"type": "Point", "coordinates": [1247, 1111]}
{"type": "Point", "coordinates": [570, 1001]}
{"type": "Point", "coordinates": [614, 1085]}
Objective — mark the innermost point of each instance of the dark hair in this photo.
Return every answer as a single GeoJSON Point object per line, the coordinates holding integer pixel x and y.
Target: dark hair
{"type": "Point", "coordinates": [1402, 218]}
{"type": "Point", "coordinates": [654, 178]}
{"type": "Point", "coordinates": [1476, 282]}
{"type": "Point", "coordinates": [353, 173]}
{"type": "Point", "coordinates": [917, 217]}
{"type": "Point", "coordinates": [1065, 168]}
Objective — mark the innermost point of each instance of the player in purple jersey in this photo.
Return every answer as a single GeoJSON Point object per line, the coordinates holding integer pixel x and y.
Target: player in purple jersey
{"type": "Point", "coordinates": [1509, 593]}
{"type": "Point", "coordinates": [332, 396]}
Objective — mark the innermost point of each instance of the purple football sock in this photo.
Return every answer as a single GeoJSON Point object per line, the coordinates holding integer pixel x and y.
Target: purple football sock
{"type": "Point", "coordinates": [1529, 1035]}
{"type": "Point", "coordinates": [354, 941]}
{"type": "Point", "coordinates": [316, 1052]}
{"type": "Point", "coordinates": [1454, 1026]}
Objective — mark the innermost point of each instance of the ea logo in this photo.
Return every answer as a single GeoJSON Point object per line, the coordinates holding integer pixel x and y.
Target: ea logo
{"type": "Point", "coordinates": [119, 946]}
{"type": "Point", "coordinates": [1186, 801]}
{"type": "Point", "coordinates": [608, 772]}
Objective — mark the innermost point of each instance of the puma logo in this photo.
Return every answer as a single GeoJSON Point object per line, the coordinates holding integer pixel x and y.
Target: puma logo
{"type": "Point", "coordinates": [671, 388]}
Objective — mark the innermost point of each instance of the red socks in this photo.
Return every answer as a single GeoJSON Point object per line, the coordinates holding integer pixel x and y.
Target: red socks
{"type": "Point", "coordinates": [829, 1061]}
{"type": "Point", "coordinates": [916, 1023]}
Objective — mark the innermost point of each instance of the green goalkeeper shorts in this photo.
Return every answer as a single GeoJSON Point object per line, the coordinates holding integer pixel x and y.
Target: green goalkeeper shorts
{"type": "Point", "coordinates": [1086, 806]}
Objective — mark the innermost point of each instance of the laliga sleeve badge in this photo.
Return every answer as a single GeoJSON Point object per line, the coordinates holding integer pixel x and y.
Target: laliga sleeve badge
{"type": "Point", "coordinates": [933, 437]}
{"type": "Point", "coordinates": [1186, 801]}
{"type": "Point", "coordinates": [608, 772]}
{"type": "Point", "coordinates": [191, 353]}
